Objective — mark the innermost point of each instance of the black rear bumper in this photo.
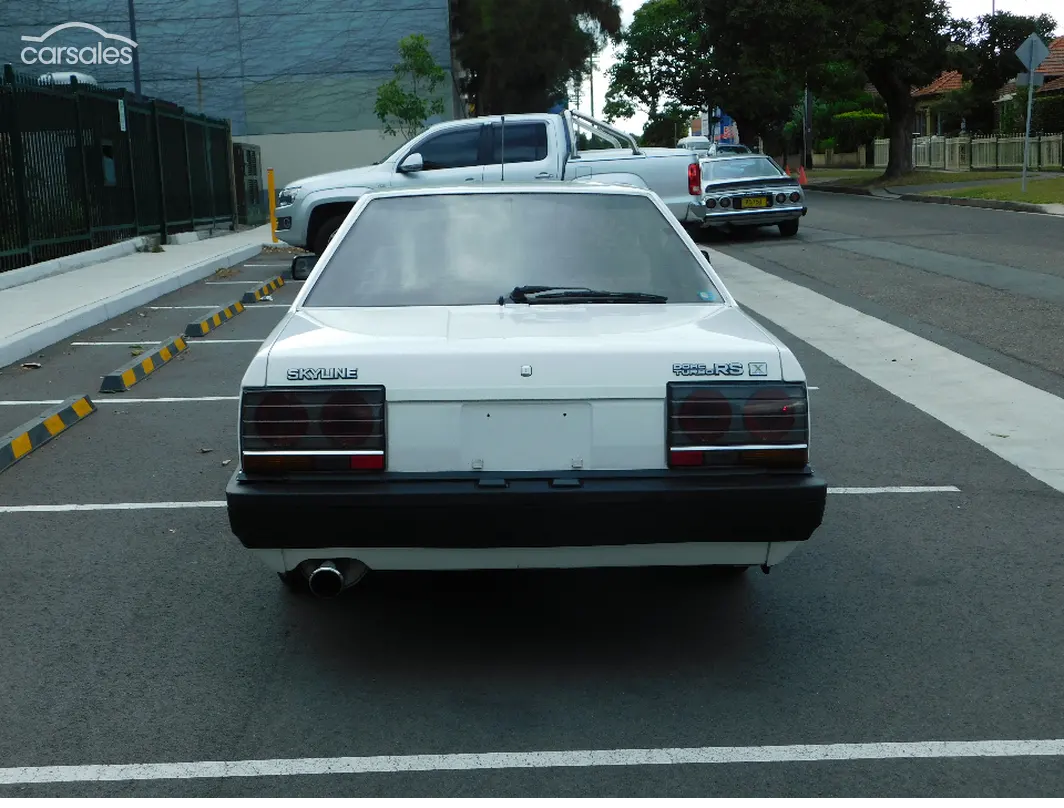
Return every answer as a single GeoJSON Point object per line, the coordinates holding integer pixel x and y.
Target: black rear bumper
{"type": "Point", "coordinates": [525, 510]}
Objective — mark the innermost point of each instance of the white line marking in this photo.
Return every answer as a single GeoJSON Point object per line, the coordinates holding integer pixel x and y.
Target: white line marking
{"type": "Point", "coordinates": [220, 503]}
{"type": "Point", "coordinates": [577, 758]}
{"type": "Point", "coordinates": [1016, 421]}
{"type": "Point", "coordinates": [119, 400]}
{"type": "Point", "coordinates": [190, 340]}
{"type": "Point", "coordinates": [899, 489]}
{"type": "Point", "coordinates": [812, 388]}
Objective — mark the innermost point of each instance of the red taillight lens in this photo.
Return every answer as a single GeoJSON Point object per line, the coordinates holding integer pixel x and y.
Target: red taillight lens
{"type": "Point", "coordinates": [795, 196]}
{"type": "Point", "coordinates": [348, 420]}
{"type": "Point", "coordinates": [317, 430]}
{"type": "Point", "coordinates": [705, 417]}
{"type": "Point", "coordinates": [749, 424]}
{"type": "Point", "coordinates": [280, 420]}
{"type": "Point", "coordinates": [694, 179]}
{"type": "Point", "coordinates": [770, 415]}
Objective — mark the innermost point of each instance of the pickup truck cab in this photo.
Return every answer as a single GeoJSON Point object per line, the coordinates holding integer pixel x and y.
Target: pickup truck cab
{"type": "Point", "coordinates": [511, 148]}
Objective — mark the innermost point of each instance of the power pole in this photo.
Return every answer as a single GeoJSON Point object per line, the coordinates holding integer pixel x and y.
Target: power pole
{"type": "Point", "coordinates": [136, 50]}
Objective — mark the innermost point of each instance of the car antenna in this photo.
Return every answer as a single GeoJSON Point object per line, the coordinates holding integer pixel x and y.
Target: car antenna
{"type": "Point", "coordinates": [502, 151]}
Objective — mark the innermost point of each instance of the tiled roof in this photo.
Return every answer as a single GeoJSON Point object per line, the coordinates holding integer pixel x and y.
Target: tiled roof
{"type": "Point", "coordinates": [1054, 86]}
{"type": "Point", "coordinates": [1054, 62]}
{"type": "Point", "coordinates": [948, 81]}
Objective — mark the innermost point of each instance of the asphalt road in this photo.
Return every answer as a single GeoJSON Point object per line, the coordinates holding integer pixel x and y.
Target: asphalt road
{"type": "Point", "coordinates": [152, 637]}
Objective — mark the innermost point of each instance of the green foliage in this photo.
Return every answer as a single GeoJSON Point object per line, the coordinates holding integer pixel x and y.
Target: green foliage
{"type": "Point", "coordinates": [659, 60]}
{"type": "Point", "coordinates": [667, 126]}
{"type": "Point", "coordinates": [852, 130]}
{"type": "Point", "coordinates": [957, 106]}
{"type": "Point", "coordinates": [989, 59]}
{"type": "Point", "coordinates": [521, 53]}
{"type": "Point", "coordinates": [1047, 116]}
{"type": "Point", "coordinates": [405, 102]}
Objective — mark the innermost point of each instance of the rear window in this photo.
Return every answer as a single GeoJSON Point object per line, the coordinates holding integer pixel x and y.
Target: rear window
{"type": "Point", "coordinates": [738, 168]}
{"type": "Point", "coordinates": [470, 249]}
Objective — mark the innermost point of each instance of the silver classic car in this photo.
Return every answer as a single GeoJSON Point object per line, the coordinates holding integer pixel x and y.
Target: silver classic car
{"type": "Point", "coordinates": [750, 190]}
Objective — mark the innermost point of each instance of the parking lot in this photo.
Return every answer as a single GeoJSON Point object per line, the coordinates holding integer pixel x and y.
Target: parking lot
{"type": "Point", "coordinates": [137, 630]}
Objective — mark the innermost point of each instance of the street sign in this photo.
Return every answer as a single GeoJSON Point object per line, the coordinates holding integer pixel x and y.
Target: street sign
{"type": "Point", "coordinates": [1022, 79]}
{"type": "Point", "coordinates": [1032, 52]}
{"type": "Point", "coordinates": [121, 115]}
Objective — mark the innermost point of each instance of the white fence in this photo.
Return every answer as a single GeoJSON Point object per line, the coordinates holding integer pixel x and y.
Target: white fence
{"type": "Point", "coordinates": [964, 153]}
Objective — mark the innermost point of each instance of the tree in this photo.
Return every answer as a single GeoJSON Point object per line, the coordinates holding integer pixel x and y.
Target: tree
{"type": "Point", "coordinates": [897, 44]}
{"type": "Point", "coordinates": [520, 53]}
{"type": "Point", "coordinates": [666, 126]}
{"type": "Point", "coordinates": [407, 101]}
{"type": "Point", "coordinates": [653, 60]}
{"type": "Point", "coordinates": [989, 60]}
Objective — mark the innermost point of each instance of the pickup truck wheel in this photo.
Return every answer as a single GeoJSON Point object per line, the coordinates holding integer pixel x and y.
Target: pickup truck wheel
{"type": "Point", "coordinates": [325, 234]}
{"type": "Point", "coordinates": [788, 228]}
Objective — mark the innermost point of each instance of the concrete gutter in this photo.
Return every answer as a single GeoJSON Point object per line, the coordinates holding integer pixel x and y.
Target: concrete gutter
{"type": "Point", "coordinates": [991, 204]}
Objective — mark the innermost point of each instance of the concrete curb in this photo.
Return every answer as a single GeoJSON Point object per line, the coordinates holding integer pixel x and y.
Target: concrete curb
{"type": "Point", "coordinates": [214, 320]}
{"type": "Point", "coordinates": [68, 263]}
{"type": "Point", "coordinates": [840, 189]}
{"type": "Point", "coordinates": [991, 204]}
{"type": "Point", "coordinates": [142, 366]}
{"type": "Point", "coordinates": [99, 311]}
{"type": "Point", "coordinates": [259, 292]}
{"type": "Point", "coordinates": [32, 435]}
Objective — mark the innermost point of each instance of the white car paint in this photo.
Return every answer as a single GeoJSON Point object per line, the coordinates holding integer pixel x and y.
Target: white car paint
{"type": "Point", "coordinates": [442, 368]}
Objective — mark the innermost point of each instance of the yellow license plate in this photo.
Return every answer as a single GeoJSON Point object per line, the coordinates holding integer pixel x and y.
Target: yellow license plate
{"type": "Point", "coordinates": [755, 202]}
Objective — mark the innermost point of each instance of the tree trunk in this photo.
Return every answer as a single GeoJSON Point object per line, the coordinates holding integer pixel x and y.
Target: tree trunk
{"type": "Point", "coordinates": [900, 131]}
{"type": "Point", "coordinates": [896, 93]}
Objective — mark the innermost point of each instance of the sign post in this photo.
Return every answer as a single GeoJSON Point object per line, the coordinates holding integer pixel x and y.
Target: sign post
{"type": "Point", "coordinates": [1031, 53]}
{"type": "Point", "coordinates": [271, 190]}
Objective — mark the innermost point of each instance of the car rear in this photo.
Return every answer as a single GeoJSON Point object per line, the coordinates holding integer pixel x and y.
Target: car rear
{"type": "Point", "coordinates": [500, 435]}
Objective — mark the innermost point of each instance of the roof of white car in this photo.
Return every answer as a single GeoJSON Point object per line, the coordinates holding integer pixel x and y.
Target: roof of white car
{"type": "Point", "coordinates": [551, 187]}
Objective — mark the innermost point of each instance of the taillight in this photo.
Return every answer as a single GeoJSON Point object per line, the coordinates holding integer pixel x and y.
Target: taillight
{"type": "Point", "coordinates": [280, 420]}
{"type": "Point", "coordinates": [781, 197]}
{"type": "Point", "coordinates": [748, 424]}
{"type": "Point", "coordinates": [312, 430]}
{"type": "Point", "coordinates": [694, 179]}
{"type": "Point", "coordinates": [795, 196]}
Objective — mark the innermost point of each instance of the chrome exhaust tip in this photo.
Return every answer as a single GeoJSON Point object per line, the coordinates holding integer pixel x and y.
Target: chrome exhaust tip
{"type": "Point", "coordinates": [326, 580]}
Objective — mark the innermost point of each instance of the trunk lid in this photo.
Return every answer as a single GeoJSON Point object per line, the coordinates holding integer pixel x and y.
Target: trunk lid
{"type": "Point", "coordinates": [498, 352]}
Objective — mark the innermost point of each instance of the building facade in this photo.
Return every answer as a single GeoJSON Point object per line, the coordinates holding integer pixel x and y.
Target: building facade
{"type": "Point", "coordinates": [298, 78]}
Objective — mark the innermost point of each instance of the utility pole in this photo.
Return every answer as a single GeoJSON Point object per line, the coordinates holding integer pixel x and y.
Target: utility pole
{"type": "Point", "coordinates": [136, 50]}
{"type": "Point", "coordinates": [591, 76]}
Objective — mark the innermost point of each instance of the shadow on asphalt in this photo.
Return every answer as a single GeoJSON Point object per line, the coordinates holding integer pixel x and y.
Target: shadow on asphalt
{"type": "Point", "coordinates": [713, 236]}
{"type": "Point", "coordinates": [621, 619]}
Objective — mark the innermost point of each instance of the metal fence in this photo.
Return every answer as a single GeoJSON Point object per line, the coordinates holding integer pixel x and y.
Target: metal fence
{"type": "Point", "coordinates": [993, 152]}
{"type": "Point", "coordinates": [83, 167]}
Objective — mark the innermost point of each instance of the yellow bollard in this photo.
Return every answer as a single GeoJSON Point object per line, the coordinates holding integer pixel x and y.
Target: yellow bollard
{"type": "Point", "coordinates": [273, 204]}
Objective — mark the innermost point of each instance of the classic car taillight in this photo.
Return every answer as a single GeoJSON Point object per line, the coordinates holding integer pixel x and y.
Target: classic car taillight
{"type": "Point", "coordinates": [781, 197]}
{"type": "Point", "coordinates": [312, 430]}
{"type": "Point", "coordinates": [747, 423]}
{"type": "Point", "coordinates": [795, 196]}
{"type": "Point", "coordinates": [694, 179]}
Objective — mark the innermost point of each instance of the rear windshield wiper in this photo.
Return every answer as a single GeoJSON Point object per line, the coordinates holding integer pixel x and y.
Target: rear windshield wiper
{"type": "Point", "coordinates": [565, 294]}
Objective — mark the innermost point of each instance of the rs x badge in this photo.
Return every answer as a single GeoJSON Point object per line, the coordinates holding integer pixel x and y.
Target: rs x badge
{"type": "Point", "coordinates": [758, 368]}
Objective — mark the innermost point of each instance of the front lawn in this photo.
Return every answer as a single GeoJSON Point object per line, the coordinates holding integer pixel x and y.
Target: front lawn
{"type": "Point", "coordinates": [1039, 192]}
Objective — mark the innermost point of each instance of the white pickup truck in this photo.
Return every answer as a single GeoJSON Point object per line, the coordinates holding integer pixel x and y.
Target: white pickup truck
{"type": "Point", "coordinates": [518, 148]}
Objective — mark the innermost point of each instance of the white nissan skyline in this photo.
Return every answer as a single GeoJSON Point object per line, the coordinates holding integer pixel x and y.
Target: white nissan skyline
{"type": "Point", "coordinates": [519, 376]}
